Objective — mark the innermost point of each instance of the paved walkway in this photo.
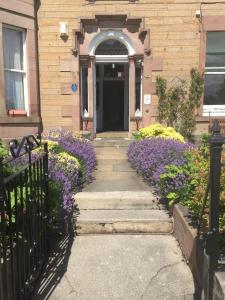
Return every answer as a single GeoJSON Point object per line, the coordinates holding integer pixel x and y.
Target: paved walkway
{"type": "Point", "coordinates": [124, 248]}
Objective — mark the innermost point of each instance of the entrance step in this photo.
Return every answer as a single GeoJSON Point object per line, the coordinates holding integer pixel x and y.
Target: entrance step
{"type": "Point", "coordinates": [116, 200]}
{"type": "Point", "coordinates": [113, 134]}
{"type": "Point", "coordinates": [123, 222]}
{"type": "Point", "coordinates": [111, 142]}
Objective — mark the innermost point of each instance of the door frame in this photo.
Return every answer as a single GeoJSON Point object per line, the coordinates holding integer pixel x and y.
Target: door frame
{"type": "Point", "coordinates": [101, 82]}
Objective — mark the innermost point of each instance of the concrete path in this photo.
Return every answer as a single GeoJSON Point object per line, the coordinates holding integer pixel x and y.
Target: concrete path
{"type": "Point", "coordinates": [124, 248]}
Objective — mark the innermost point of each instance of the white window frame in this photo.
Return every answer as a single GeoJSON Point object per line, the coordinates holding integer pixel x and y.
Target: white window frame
{"type": "Point", "coordinates": [214, 110]}
{"type": "Point", "coordinates": [24, 71]}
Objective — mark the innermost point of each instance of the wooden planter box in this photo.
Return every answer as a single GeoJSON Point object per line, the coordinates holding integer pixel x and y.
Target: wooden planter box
{"type": "Point", "coordinates": [192, 248]}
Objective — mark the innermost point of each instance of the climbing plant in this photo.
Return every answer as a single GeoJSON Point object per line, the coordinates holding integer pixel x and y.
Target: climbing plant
{"type": "Point", "coordinates": [178, 104]}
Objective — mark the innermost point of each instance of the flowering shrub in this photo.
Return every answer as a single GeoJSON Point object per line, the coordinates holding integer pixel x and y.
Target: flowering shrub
{"type": "Point", "coordinates": [82, 149]}
{"type": "Point", "coordinates": [71, 162]}
{"type": "Point", "coordinates": [150, 156]}
{"type": "Point", "coordinates": [179, 173]}
{"type": "Point", "coordinates": [158, 130]}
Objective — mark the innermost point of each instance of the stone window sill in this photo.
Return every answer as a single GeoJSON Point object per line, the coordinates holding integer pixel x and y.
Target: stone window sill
{"type": "Point", "coordinates": [19, 120]}
{"type": "Point", "coordinates": [17, 113]}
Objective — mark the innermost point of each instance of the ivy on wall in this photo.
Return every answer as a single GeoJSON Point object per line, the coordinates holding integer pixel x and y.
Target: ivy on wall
{"type": "Point", "coordinates": [178, 104]}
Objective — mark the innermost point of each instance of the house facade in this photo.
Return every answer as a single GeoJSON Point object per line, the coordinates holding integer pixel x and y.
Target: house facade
{"type": "Point", "coordinates": [19, 88]}
{"type": "Point", "coordinates": [99, 59]}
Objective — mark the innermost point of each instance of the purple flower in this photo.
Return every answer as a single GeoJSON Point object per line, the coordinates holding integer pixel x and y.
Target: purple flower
{"type": "Point", "coordinates": [150, 157]}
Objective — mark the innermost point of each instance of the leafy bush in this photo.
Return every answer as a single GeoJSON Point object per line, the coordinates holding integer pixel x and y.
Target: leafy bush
{"type": "Point", "coordinates": [179, 173]}
{"type": "Point", "coordinates": [178, 104]}
{"type": "Point", "coordinates": [158, 130]}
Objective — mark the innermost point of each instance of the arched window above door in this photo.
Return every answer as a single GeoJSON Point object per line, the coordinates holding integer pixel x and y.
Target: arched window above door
{"type": "Point", "coordinates": [118, 38]}
{"type": "Point", "coordinates": [111, 47]}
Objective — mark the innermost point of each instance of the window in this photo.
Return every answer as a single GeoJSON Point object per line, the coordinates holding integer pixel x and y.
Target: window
{"type": "Point", "coordinates": [111, 47]}
{"type": "Point", "coordinates": [214, 96]}
{"type": "Point", "coordinates": [84, 90]}
{"type": "Point", "coordinates": [14, 67]}
{"type": "Point", "coordinates": [138, 77]}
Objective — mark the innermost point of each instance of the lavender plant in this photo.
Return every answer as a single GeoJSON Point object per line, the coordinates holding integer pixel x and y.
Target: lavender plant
{"type": "Point", "coordinates": [71, 163]}
{"type": "Point", "coordinates": [149, 157]}
{"type": "Point", "coordinates": [82, 149]}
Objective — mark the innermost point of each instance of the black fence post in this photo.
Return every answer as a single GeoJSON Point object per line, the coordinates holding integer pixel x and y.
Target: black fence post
{"type": "Point", "coordinates": [212, 240]}
{"type": "Point", "coordinates": [3, 280]}
{"type": "Point", "coordinates": [46, 188]}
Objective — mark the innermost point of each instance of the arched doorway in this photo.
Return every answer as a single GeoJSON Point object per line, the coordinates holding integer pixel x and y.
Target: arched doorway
{"type": "Point", "coordinates": [110, 90]}
{"type": "Point", "coordinates": [112, 86]}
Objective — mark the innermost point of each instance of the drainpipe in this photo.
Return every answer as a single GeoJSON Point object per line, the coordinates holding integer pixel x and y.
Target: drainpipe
{"type": "Point", "coordinates": [36, 7]}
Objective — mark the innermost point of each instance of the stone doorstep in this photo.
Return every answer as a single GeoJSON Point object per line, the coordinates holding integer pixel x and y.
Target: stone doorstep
{"type": "Point", "coordinates": [116, 200]}
{"type": "Point", "coordinates": [111, 143]}
{"type": "Point", "coordinates": [191, 248]}
{"type": "Point", "coordinates": [123, 221]}
{"type": "Point", "coordinates": [155, 227]}
{"type": "Point", "coordinates": [122, 195]}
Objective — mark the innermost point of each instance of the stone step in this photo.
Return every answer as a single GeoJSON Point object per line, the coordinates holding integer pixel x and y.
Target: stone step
{"type": "Point", "coordinates": [117, 143]}
{"type": "Point", "coordinates": [116, 200]}
{"type": "Point", "coordinates": [113, 134]}
{"type": "Point", "coordinates": [123, 222]}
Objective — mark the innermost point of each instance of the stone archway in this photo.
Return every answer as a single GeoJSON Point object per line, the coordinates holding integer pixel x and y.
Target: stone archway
{"type": "Point", "coordinates": [131, 32]}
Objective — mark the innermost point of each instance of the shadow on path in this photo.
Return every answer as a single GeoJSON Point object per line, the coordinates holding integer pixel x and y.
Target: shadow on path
{"type": "Point", "coordinates": [56, 266]}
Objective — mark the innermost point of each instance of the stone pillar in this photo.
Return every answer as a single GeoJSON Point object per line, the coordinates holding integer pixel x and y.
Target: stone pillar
{"type": "Point", "coordinates": [132, 96]}
{"type": "Point", "coordinates": [91, 93]}
{"type": "Point", "coordinates": [76, 113]}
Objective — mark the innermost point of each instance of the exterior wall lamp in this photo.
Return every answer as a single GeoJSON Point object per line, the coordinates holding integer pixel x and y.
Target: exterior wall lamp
{"type": "Point", "coordinates": [86, 118]}
{"type": "Point", "coordinates": [137, 117]}
{"type": "Point", "coordinates": [63, 29]}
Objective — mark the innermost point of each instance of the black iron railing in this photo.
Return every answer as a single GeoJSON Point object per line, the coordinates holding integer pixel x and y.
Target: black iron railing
{"type": "Point", "coordinates": [23, 217]}
{"type": "Point", "coordinates": [211, 237]}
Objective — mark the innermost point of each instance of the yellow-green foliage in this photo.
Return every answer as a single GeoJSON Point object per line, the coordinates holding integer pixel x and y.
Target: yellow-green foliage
{"type": "Point", "coordinates": [53, 146]}
{"type": "Point", "coordinates": [158, 130]}
{"type": "Point", "coordinates": [66, 159]}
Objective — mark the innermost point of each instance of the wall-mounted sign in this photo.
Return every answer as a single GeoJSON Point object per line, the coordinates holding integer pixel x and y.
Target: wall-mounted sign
{"type": "Point", "coordinates": [147, 99]}
{"type": "Point", "coordinates": [74, 87]}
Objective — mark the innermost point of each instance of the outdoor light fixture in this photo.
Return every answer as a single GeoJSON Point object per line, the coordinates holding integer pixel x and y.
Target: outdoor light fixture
{"type": "Point", "coordinates": [137, 117]}
{"type": "Point", "coordinates": [86, 114]}
{"type": "Point", "coordinates": [138, 113]}
{"type": "Point", "coordinates": [63, 29]}
{"type": "Point", "coordinates": [86, 118]}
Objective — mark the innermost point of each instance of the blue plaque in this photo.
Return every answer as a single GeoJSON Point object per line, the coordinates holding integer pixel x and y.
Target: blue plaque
{"type": "Point", "coordinates": [74, 87]}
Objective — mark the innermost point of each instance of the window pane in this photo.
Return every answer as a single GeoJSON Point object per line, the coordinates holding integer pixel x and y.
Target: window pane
{"type": "Point", "coordinates": [111, 47]}
{"type": "Point", "coordinates": [214, 89]}
{"type": "Point", "coordinates": [138, 87]}
{"type": "Point", "coordinates": [215, 42]}
{"type": "Point", "coordinates": [14, 91]}
{"type": "Point", "coordinates": [13, 48]}
{"type": "Point", "coordinates": [215, 60]}
{"type": "Point", "coordinates": [114, 71]}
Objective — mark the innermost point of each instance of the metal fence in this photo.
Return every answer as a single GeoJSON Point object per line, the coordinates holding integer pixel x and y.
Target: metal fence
{"type": "Point", "coordinates": [23, 217]}
{"type": "Point", "coordinates": [211, 237]}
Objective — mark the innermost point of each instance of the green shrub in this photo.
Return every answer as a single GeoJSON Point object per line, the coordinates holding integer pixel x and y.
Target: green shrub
{"type": "Point", "coordinates": [4, 151]}
{"type": "Point", "coordinates": [178, 103]}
